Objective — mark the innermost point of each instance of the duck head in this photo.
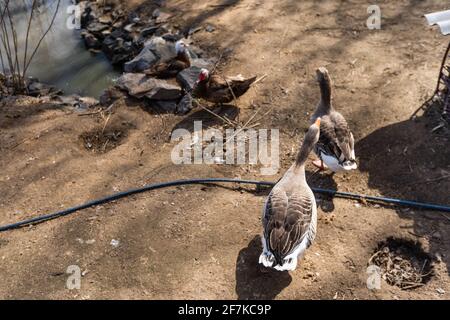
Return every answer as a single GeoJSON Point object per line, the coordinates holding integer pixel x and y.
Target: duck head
{"type": "Point", "coordinates": [180, 47]}
{"type": "Point", "coordinates": [203, 76]}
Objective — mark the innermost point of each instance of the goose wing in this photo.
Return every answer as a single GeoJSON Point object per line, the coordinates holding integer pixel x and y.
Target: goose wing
{"type": "Point", "coordinates": [336, 138]}
{"type": "Point", "coordinates": [287, 219]}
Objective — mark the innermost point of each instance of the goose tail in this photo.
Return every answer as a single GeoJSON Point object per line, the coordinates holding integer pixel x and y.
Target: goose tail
{"type": "Point", "coordinates": [268, 260]}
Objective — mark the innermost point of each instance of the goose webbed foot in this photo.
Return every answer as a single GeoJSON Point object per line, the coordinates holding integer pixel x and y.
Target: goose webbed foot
{"type": "Point", "coordinates": [319, 164]}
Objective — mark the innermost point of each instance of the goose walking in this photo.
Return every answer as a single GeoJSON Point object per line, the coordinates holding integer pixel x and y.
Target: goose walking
{"type": "Point", "coordinates": [217, 89]}
{"type": "Point", "coordinates": [290, 212]}
{"type": "Point", "coordinates": [336, 146]}
{"type": "Point", "coordinates": [170, 68]}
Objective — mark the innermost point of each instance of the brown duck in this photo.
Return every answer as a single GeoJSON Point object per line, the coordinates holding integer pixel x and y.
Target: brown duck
{"type": "Point", "coordinates": [218, 89]}
{"type": "Point", "coordinates": [170, 68]}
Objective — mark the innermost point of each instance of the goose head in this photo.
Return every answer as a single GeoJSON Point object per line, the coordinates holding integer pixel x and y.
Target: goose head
{"type": "Point", "coordinates": [322, 75]}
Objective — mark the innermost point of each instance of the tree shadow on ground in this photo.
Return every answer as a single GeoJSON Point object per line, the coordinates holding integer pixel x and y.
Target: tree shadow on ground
{"type": "Point", "coordinates": [323, 180]}
{"type": "Point", "coordinates": [207, 118]}
{"type": "Point", "coordinates": [406, 160]}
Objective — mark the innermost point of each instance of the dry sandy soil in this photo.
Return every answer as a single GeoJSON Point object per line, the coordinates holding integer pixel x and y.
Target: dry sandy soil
{"type": "Point", "coordinates": [203, 242]}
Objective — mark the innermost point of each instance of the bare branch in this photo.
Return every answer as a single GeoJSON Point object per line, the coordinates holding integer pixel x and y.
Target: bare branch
{"type": "Point", "coordinates": [33, 7]}
{"type": "Point", "coordinates": [42, 38]}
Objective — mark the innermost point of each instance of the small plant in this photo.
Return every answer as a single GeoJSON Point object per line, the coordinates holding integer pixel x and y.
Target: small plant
{"type": "Point", "coordinates": [14, 66]}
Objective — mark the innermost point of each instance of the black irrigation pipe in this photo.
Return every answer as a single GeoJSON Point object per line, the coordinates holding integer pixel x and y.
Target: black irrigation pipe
{"type": "Point", "coordinates": [120, 195]}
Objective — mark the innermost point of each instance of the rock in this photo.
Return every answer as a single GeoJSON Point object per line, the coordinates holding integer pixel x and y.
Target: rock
{"type": "Point", "coordinates": [133, 15]}
{"type": "Point", "coordinates": [77, 102]}
{"type": "Point", "coordinates": [91, 41]}
{"type": "Point", "coordinates": [171, 37]}
{"type": "Point", "coordinates": [120, 34]}
{"type": "Point", "coordinates": [37, 89]}
{"type": "Point", "coordinates": [185, 105]}
{"type": "Point", "coordinates": [194, 30]}
{"type": "Point", "coordinates": [210, 28]}
{"type": "Point", "coordinates": [108, 45]}
{"type": "Point", "coordinates": [163, 91]}
{"type": "Point", "coordinates": [169, 106]}
{"type": "Point", "coordinates": [96, 27]}
{"type": "Point", "coordinates": [202, 63]}
{"type": "Point", "coordinates": [118, 13]}
{"type": "Point", "coordinates": [187, 77]}
{"type": "Point", "coordinates": [118, 49]}
{"type": "Point", "coordinates": [87, 102]}
{"type": "Point", "coordinates": [139, 85]}
{"type": "Point", "coordinates": [149, 31]}
{"type": "Point", "coordinates": [165, 50]}
{"type": "Point", "coordinates": [156, 49]}
{"type": "Point", "coordinates": [87, 16]}
{"type": "Point", "coordinates": [196, 52]}
{"type": "Point", "coordinates": [156, 13]}
{"type": "Point", "coordinates": [120, 58]}
{"type": "Point", "coordinates": [129, 27]}
{"type": "Point", "coordinates": [110, 95]}
{"type": "Point", "coordinates": [105, 19]}
{"type": "Point", "coordinates": [118, 25]}
{"type": "Point", "coordinates": [68, 100]}
{"type": "Point", "coordinates": [162, 30]}
{"type": "Point", "coordinates": [437, 235]}
{"type": "Point", "coordinates": [144, 60]}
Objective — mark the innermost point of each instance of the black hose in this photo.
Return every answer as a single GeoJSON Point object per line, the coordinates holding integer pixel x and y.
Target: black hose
{"type": "Point", "coordinates": [127, 193]}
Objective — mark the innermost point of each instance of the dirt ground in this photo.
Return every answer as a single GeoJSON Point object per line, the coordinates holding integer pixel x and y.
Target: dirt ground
{"type": "Point", "coordinates": [199, 242]}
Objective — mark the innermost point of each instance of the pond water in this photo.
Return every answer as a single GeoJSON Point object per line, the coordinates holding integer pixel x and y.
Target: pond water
{"type": "Point", "coordinates": [62, 59]}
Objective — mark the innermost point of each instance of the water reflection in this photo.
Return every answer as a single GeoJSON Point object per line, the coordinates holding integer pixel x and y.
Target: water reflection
{"type": "Point", "coordinates": [62, 59]}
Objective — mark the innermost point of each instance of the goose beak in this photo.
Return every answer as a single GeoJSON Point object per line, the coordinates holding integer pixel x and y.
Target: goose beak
{"type": "Point", "coordinates": [317, 123]}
